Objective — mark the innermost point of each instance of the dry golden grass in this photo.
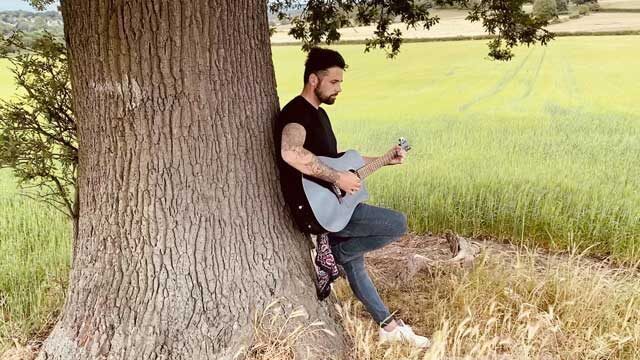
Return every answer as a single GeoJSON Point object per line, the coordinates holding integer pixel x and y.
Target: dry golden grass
{"type": "Point", "coordinates": [513, 304]}
{"type": "Point", "coordinates": [567, 308]}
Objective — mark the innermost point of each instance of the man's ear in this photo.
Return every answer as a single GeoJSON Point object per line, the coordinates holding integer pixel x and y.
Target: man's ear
{"type": "Point", "coordinates": [313, 80]}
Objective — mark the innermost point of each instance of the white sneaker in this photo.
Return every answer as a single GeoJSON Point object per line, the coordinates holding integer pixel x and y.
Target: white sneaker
{"type": "Point", "coordinates": [403, 333]}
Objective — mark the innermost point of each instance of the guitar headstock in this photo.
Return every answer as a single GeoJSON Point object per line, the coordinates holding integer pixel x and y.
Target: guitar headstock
{"type": "Point", "coordinates": [404, 144]}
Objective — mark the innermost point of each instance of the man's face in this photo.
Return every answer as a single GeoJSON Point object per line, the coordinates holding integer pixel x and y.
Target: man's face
{"type": "Point", "coordinates": [329, 84]}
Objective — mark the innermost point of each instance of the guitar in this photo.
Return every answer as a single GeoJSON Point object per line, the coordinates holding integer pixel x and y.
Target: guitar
{"type": "Point", "coordinates": [332, 207]}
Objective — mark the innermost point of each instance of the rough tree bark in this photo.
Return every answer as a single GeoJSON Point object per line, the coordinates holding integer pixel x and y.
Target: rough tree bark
{"type": "Point", "coordinates": [183, 233]}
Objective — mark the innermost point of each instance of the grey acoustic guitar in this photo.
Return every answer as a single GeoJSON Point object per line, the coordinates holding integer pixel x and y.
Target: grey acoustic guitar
{"type": "Point", "coordinates": [332, 207]}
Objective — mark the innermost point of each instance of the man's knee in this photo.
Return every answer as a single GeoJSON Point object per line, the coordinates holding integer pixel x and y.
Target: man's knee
{"type": "Point", "coordinates": [399, 223]}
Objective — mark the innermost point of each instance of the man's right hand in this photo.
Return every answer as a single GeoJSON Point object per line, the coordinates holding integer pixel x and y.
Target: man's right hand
{"type": "Point", "coordinates": [348, 182]}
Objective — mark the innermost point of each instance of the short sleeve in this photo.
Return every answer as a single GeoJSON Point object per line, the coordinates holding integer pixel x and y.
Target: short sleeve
{"type": "Point", "coordinates": [298, 117]}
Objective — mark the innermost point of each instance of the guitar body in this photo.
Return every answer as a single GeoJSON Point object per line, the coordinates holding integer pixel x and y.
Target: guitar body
{"type": "Point", "coordinates": [333, 211]}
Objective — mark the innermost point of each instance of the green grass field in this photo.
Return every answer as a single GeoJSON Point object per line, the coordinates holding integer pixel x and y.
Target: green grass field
{"type": "Point", "coordinates": [34, 263]}
{"type": "Point", "coordinates": [543, 149]}
{"type": "Point", "coordinates": [6, 79]}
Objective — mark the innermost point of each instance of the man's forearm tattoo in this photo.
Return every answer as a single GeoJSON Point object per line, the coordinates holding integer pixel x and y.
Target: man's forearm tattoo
{"type": "Point", "coordinates": [368, 159]}
{"type": "Point", "coordinates": [305, 161]}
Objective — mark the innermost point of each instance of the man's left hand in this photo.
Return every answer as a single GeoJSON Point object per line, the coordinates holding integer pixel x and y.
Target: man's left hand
{"type": "Point", "coordinates": [398, 156]}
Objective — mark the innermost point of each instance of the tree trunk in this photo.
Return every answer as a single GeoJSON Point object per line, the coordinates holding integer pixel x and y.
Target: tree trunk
{"type": "Point", "coordinates": [183, 234]}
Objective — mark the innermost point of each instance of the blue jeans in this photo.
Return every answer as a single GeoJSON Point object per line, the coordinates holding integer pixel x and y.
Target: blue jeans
{"type": "Point", "coordinates": [370, 228]}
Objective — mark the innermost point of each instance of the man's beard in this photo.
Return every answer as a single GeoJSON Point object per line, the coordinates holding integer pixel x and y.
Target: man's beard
{"type": "Point", "coordinates": [329, 100]}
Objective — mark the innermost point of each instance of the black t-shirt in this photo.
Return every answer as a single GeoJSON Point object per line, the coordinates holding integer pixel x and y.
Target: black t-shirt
{"type": "Point", "coordinates": [320, 140]}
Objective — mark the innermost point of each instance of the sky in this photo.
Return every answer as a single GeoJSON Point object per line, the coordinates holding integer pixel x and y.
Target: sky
{"type": "Point", "coordinates": [21, 5]}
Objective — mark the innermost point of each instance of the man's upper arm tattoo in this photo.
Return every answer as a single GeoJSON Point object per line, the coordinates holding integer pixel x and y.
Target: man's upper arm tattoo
{"type": "Point", "coordinates": [293, 136]}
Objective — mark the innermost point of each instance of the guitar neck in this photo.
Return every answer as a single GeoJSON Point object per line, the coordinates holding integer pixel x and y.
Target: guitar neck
{"type": "Point", "coordinates": [373, 166]}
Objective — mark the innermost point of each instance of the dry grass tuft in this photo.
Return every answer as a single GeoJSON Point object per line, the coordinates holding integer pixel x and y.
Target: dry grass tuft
{"type": "Point", "coordinates": [282, 336]}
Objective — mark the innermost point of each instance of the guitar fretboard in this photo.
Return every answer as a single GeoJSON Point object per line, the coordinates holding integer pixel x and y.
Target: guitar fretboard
{"type": "Point", "coordinates": [373, 166]}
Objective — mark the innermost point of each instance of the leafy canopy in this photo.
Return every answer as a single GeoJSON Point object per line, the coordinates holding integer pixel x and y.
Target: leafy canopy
{"type": "Point", "coordinates": [319, 20]}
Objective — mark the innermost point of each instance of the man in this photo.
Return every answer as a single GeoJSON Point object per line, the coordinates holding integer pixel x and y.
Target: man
{"type": "Point", "coordinates": [303, 132]}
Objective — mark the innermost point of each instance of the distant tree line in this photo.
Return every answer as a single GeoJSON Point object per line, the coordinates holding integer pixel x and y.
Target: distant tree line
{"type": "Point", "coordinates": [31, 24]}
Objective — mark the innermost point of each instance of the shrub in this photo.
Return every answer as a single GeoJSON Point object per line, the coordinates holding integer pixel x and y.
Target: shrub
{"type": "Point", "coordinates": [583, 9]}
{"type": "Point", "coordinates": [593, 6]}
{"type": "Point", "coordinates": [545, 9]}
{"type": "Point", "coordinates": [562, 6]}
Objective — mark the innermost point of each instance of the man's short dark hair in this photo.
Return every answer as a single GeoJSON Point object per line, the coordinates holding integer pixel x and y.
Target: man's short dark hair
{"type": "Point", "coordinates": [322, 59]}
